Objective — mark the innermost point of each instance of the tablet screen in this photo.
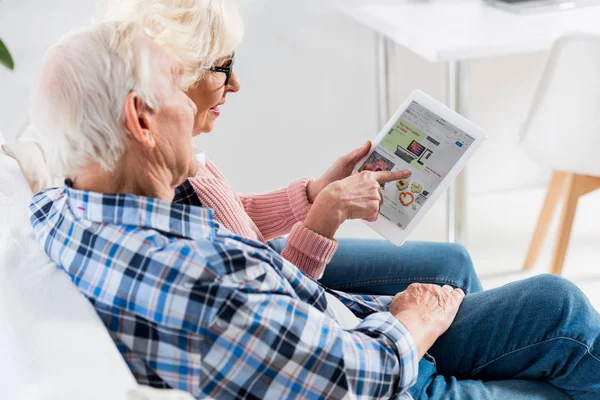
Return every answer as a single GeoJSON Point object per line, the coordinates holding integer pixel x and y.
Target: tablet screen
{"type": "Point", "coordinates": [423, 143]}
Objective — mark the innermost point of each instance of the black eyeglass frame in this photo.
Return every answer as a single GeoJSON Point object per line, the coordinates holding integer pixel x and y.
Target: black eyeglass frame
{"type": "Point", "coordinates": [226, 70]}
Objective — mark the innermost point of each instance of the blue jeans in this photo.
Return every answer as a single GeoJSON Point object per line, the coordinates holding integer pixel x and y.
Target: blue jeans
{"type": "Point", "coordinates": [379, 267]}
{"type": "Point", "coordinates": [534, 339]}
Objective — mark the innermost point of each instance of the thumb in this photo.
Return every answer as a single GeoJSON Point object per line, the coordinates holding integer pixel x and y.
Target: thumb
{"type": "Point", "coordinates": [458, 294]}
{"type": "Point", "coordinates": [359, 153]}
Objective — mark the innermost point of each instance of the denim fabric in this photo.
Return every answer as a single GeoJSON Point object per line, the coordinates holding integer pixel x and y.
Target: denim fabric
{"type": "Point", "coordinates": [503, 341]}
{"type": "Point", "coordinates": [534, 339]}
{"type": "Point", "coordinates": [374, 266]}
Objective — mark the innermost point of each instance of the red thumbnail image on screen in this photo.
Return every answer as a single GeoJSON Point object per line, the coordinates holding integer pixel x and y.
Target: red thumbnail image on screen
{"type": "Point", "coordinates": [377, 162]}
{"type": "Point", "coordinates": [416, 148]}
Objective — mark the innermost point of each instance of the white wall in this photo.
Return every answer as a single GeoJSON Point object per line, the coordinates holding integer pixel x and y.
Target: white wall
{"type": "Point", "coordinates": [308, 85]}
{"type": "Point", "coordinates": [28, 28]}
{"type": "Point", "coordinates": [308, 91]}
{"type": "Point", "coordinates": [307, 95]}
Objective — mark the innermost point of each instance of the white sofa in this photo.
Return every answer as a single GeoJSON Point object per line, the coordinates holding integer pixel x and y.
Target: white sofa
{"type": "Point", "coordinates": [52, 343]}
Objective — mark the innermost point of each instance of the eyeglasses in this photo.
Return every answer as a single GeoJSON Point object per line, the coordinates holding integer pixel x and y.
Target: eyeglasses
{"type": "Point", "coordinates": [226, 69]}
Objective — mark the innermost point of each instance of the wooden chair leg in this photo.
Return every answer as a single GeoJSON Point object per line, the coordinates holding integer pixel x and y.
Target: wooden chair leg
{"type": "Point", "coordinates": [541, 230]}
{"type": "Point", "coordinates": [566, 223]}
{"type": "Point", "coordinates": [576, 186]}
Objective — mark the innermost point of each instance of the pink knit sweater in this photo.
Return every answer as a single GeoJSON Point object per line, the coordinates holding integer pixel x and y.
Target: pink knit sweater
{"type": "Point", "coordinates": [267, 216]}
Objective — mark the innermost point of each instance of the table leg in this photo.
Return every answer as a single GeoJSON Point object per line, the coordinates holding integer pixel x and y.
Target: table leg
{"type": "Point", "coordinates": [381, 79]}
{"type": "Point", "coordinates": [457, 199]}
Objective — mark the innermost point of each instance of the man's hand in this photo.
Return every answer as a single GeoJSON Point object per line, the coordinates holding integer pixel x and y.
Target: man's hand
{"type": "Point", "coordinates": [355, 197]}
{"type": "Point", "coordinates": [427, 311]}
{"type": "Point", "coordinates": [341, 168]}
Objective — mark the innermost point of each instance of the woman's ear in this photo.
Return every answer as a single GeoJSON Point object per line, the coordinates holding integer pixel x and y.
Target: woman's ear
{"type": "Point", "coordinates": [138, 121]}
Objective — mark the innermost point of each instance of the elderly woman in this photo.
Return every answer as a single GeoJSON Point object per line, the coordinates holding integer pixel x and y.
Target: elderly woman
{"type": "Point", "coordinates": [195, 306]}
{"type": "Point", "coordinates": [183, 27]}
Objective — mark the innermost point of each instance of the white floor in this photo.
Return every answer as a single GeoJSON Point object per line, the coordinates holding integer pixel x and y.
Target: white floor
{"type": "Point", "coordinates": [499, 230]}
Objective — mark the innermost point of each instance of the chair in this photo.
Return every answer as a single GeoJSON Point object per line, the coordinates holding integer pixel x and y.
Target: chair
{"type": "Point", "coordinates": [562, 132]}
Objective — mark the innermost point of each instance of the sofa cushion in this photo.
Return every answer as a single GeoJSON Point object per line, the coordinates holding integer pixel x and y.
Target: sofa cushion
{"type": "Point", "coordinates": [30, 158]}
{"type": "Point", "coordinates": [29, 153]}
{"type": "Point", "coordinates": [147, 393]}
{"type": "Point", "coordinates": [52, 343]}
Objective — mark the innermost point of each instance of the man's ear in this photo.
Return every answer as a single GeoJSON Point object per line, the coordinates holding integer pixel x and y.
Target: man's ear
{"type": "Point", "coordinates": [137, 121]}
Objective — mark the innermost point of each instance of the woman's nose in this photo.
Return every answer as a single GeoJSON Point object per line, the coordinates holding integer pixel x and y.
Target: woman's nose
{"type": "Point", "coordinates": [234, 84]}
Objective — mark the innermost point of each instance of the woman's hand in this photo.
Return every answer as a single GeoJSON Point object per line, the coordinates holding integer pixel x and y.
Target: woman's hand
{"type": "Point", "coordinates": [427, 311]}
{"type": "Point", "coordinates": [341, 168]}
{"type": "Point", "coordinates": [355, 197]}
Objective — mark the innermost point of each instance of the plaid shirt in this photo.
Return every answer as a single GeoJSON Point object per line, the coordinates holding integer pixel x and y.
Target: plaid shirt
{"type": "Point", "coordinates": [195, 307]}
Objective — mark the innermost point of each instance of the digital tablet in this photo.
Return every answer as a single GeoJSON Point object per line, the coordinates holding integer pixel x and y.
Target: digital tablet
{"type": "Point", "coordinates": [434, 143]}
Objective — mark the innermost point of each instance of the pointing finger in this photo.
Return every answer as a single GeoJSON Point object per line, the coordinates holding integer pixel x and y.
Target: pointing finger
{"type": "Point", "coordinates": [388, 176]}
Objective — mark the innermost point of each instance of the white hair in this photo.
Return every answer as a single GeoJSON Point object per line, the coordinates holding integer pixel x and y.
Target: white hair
{"type": "Point", "coordinates": [78, 104]}
{"type": "Point", "coordinates": [196, 33]}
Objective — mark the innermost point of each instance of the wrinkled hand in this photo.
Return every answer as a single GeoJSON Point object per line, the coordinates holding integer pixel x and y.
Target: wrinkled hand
{"type": "Point", "coordinates": [341, 168]}
{"type": "Point", "coordinates": [427, 311]}
{"type": "Point", "coordinates": [355, 197]}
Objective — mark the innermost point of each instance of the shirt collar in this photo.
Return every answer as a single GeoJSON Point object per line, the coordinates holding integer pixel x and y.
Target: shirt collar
{"type": "Point", "coordinates": [125, 209]}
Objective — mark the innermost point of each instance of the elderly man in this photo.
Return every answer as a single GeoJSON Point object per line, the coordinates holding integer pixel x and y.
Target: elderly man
{"type": "Point", "coordinates": [192, 306]}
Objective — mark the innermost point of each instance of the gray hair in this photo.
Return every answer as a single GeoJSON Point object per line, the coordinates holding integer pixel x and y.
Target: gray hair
{"type": "Point", "coordinates": [196, 33]}
{"type": "Point", "coordinates": [78, 103]}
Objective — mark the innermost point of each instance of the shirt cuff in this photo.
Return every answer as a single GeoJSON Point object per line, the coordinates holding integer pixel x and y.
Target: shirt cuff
{"type": "Point", "coordinates": [298, 198]}
{"type": "Point", "coordinates": [386, 324]}
{"type": "Point", "coordinates": [309, 251]}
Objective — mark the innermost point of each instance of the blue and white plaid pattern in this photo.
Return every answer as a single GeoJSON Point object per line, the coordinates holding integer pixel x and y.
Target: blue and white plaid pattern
{"type": "Point", "coordinates": [192, 306]}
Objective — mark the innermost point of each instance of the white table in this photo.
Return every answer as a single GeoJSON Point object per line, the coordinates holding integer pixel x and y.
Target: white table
{"type": "Point", "coordinates": [451, 31]}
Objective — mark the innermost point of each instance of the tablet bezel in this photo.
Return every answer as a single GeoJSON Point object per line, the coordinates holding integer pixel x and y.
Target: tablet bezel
{"type": "Point", "coordinates": [382, 225]}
